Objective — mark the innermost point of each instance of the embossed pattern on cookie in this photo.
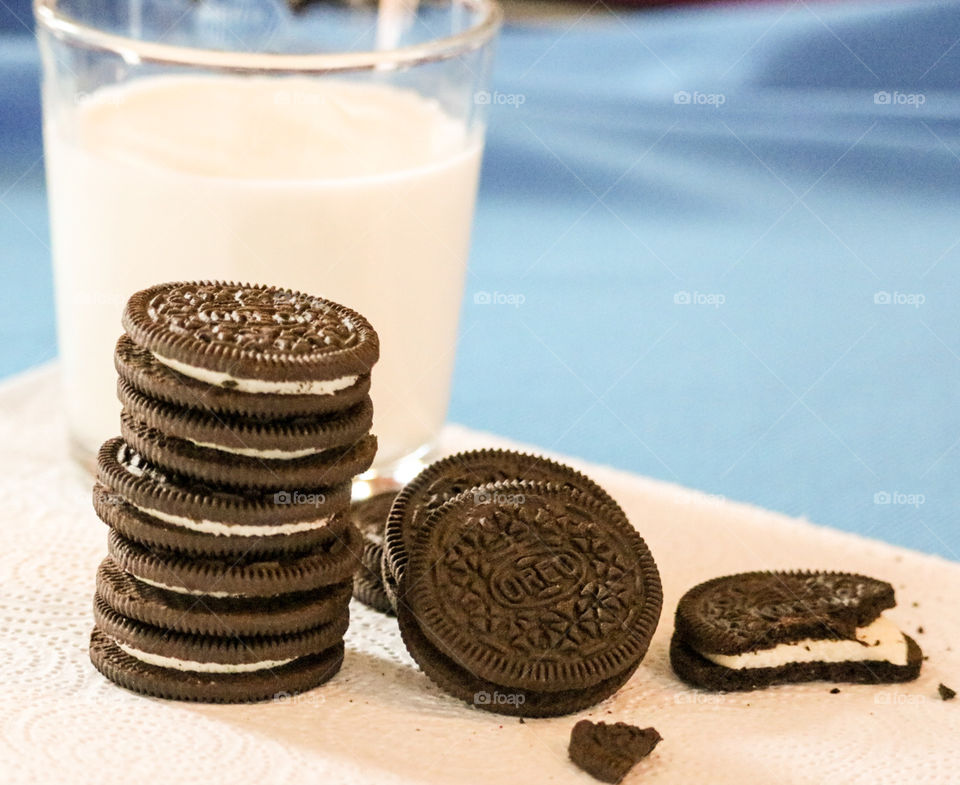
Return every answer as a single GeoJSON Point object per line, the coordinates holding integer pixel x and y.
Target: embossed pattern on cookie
{"type": "Point", "coordinates": [251, 334]}
{"type": "Point", "coordinates": [533, 586]}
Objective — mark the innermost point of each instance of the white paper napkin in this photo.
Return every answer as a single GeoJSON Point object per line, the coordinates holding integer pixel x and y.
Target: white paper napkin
{"type": "Point", "coordinates": [380, 721]}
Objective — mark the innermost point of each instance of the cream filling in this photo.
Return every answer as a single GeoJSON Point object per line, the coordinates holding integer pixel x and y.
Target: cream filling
{"type": "Point", "coordinates": [200, 667]}
{"type": "Point", "coordinates": [184, 590]}
{"type": "Point", "coordinates": [252, 452]}
{"type": "Point", "coordinates": [881, 641]}
{"type": "Point", "coordinates": [237, 530]}
{"type": "Point", "coordinates": [133, 468]}
{"type": "Point", "coordinates": [242, 384]}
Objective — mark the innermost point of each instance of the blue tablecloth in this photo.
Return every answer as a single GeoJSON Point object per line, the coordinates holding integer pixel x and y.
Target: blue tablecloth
{"type": "Point", "coordinates": [724, 243]}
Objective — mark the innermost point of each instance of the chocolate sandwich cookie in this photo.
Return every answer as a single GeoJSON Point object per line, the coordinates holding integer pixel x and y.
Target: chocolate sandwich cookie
{"type": "Point", "coordinates": [219, 613]}
{"type": "Point", "coordinates": [460, 683]}
{"type": "Point", "coordinates": [752, 630]}
{"type": "Point", "coordinates": [322, 467]}
{"type": "Point", "coordinates": [368, 589]}
{"type": "Point", "coordinates": [228, 654]}
{"type": "Point", "coordinates": [251, 575]}
{"type": "Point", "coordinates": [370, 517]}
{"type": "Point", "coordinates": [533, 586]}
{"type": "Point", "coordinates": [282, 439]}
{"type": "Point", "coordinates": [608, 752]}
{"type": "Point", "coordinates": [132, 673]}
{"type": "Point", "coordinates": [450, 476]}
{"type": "Point", "coordinates": [388, 582]}
{"type": "Point", "coordinates": [252, 339]}
{"type": "Point", "coordinates": [176, 665]}
{"type": "Point", "coordinates": [372, 558]}
{"type": "Point", "coordinates": [138, 366]}
{"type": "Point", "coordinates": [155, 507]}
{"type": "Point", "coordinates": [135, 525]}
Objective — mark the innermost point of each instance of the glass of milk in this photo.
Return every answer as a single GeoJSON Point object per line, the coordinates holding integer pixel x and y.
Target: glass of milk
{"type": "Point", "coordinates": [328, 147]}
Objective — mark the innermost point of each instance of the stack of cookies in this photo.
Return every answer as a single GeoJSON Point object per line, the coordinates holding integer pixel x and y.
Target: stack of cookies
{"type": "Point", "coordinates": [519, 584]}
{"type": "Point", "coordinates": [246, 416]}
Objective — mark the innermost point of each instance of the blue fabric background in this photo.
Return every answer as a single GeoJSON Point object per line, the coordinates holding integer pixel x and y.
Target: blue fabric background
{"type": "Point", "coordinates": [783, 214]}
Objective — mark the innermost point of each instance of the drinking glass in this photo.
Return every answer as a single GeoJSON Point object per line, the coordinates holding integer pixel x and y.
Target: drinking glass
{"type": "Point", "coordinates": [325, 147]}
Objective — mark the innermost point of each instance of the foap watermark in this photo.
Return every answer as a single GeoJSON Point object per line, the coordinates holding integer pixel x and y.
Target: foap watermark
{"type": "Point", "coordinates": [898, 699]}
{"type": "Point", "coordinates": [696, 98]}
{"type": "Point", "coordinates": [698, 699]}
{"type": "Point", "coordinates": [514, 299]}
{"type": "Point", "coordinates": [486, 98]}
{"type": "Point", "coordinates": [482, 496]}
{"type": "Point", "coordinates": [484, 698]}
{"type": "Point", "coordinates": [310, 698]}
{"type": "Point", "coordinates": [298, 497]}
{"type": "Point", "coordinates": [913, 299]}
{"type": "Point", "coordinates": [713, 299]}
{"type": "Point", "coordinates": [899, 498]}
{"type": "Point", "coordinates": [896, 98]}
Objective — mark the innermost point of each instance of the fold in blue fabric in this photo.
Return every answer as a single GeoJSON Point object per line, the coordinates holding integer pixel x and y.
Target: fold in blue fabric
{"type": "Point", "coordinates": [731, 239]}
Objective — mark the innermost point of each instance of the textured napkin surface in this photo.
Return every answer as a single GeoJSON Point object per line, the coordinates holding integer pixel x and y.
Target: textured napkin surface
{"type": "Point", "coordinates": [381, 721]}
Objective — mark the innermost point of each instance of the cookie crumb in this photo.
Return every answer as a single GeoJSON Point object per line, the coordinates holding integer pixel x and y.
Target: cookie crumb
{"type": "Point", "coordinates": [946, 694]}
{"type": "Point", "coordinates": [608, 752]}
{"type": "Point", "coordinates": [920, 630]}
{"type": "Point", "coordinates": [835, 691]}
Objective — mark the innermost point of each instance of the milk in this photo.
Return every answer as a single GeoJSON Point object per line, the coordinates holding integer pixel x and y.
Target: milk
{"type": "Point", "coordinates": [359, 193]}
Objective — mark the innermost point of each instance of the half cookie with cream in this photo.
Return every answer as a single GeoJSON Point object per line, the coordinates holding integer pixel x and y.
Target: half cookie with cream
{"type": "Point", "coordinates": [756, 629]}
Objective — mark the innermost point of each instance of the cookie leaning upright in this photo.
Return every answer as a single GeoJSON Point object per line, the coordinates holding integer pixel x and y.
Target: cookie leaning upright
{"type": "Point", "coordinates": [527, 598]}
{"type": "Point", "coordinates": [246, 416]}
{"type": "Point", "coordinates": [442, 480]}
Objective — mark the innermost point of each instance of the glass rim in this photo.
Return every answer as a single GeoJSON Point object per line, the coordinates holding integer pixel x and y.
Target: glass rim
{"type": "Point", "coordinates": [50, 17]}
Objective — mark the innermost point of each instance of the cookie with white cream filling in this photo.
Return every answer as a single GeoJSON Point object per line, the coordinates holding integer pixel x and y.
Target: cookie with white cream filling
{"type": "Point", "coordinates": [159, 379]}
{"type": "Point", "coordinates": [276, 682]}
{"type": "Point", "coordinates": [219, 613]}
{"type": "Point", "coordinates": [309, 467]}
{"type": "Point", "coordinates": [282, 437]}
{"type": "Point", "coordinates": [253, 338]}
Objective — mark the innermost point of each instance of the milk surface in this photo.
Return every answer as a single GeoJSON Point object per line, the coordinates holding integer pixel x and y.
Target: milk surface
{"type": "Point", "coordinates": [359, 193]}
